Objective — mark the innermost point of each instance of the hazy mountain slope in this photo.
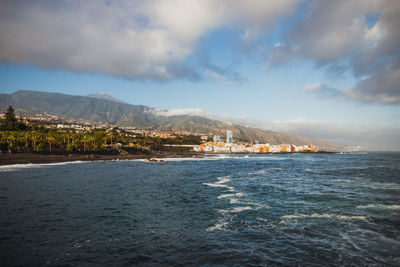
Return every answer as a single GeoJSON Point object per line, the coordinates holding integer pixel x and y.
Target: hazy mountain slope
{"type": "Point", "coordinates": [78, 107]}
{"type": "Point", "coordinates": [104, 96]}
{"type": "Point", "coordinates": [111, 112]}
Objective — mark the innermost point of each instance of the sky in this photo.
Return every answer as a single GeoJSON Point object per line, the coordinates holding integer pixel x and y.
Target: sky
{"type": "Point", "coordinates": [325, 69]}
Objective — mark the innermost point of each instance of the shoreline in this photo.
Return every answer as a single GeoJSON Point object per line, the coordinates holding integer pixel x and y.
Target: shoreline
{"type": "Point", "coordinates": [36, 158]}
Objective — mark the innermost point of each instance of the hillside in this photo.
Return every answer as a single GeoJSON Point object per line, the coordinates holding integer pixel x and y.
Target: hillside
{"type": "Point", "coordinates": [115, 113]}
{"type": "Point", "coordinates": [103, 95]}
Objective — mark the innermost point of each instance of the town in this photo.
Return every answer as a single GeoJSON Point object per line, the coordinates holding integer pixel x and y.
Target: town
{"type": "Point", "coordinates": [46, 132]}
{"type": "Point", "coordinates": [229, 146]}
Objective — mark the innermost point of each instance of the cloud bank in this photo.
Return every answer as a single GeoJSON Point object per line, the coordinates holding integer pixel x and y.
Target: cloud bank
{"type": "Point", "coordinates": [133, 39]}
{"type": "Point", "coordinates": [341, 35]}
{"type": "Point", "coordinates": [153, 39]}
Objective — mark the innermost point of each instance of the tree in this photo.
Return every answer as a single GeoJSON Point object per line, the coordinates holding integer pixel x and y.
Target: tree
{"type": "Point", "coordinates": [50, 139]}
{"type": "Point", "coordinates": [10, 122]}
{"type": "Point", "coordinates": [100, 139]}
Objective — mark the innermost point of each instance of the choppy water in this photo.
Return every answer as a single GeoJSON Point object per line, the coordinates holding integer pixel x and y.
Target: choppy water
{"type": "Point", "coordinates": [312, 209]}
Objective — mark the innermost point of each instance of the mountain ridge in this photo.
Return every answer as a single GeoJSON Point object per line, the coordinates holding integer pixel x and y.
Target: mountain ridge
{"type": "Point", "coordinates": [103, 95]}
{"type": "Point", "coordinates": [140, 116]}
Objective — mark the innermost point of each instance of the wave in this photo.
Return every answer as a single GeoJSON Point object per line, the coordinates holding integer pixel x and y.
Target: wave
{"type": "Point", "coordinates": [312, 171]}
{"type": "Point", "coordinates": [240, 209]}
{"type": "Point", "coordinates": [221, 183]}
{"type": "Point", "coordinates": [234, 210]}
{"type": "Point", "coordinates": [178, 159]}
{"type": "Point", "coordinates": [258, 172]}
{"type": "Point", "coordinates": [258, 206]}
{"type": "Point", "coordinates": [218, 227]}
{"type": "Point", "coordinates": [230, 195]}
{"type": "Point", "coordinates": [223, 179]}
{"type": "Point", "coordinates": [261, 219]}
{"type": "Point", "coordinates": [202, 158]}
{"type": "Point", "coordinates": [15, 167]}
{"type": "Point", "coordinates": [353, 153]}
{"type": "Point", "coordinates": [301, 179]}
{"type": "Point", "coordinates": [379, 206]}
{"type": "Point", "coordinates": [323, 216]}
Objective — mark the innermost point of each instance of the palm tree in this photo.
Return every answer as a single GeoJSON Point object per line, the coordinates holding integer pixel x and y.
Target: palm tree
{"type": "Point", "coordinates": [11, 139]}
{"type": "Point", "coordinates": [35, 138]}
{"type": "Point", "coordinates": [27, 135]}
{"type": "Point", "coordinates": [50, 139]}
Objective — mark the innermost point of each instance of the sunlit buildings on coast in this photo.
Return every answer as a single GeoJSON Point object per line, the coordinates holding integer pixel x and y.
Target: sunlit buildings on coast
{"type": "Point", "coordinates": [229, 137]}
{"type": "Point", "coordinates": [230, 147]}
{"type": "Point", "coordinates": [223, 147]}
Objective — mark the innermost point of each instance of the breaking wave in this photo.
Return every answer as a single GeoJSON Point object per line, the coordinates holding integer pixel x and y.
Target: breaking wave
{"type": "Point", "coordinates": [323, 216]}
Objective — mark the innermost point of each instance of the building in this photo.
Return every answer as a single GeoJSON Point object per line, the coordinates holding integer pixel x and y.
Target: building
{"type": "Point", "coordinates": [217, 138]}
{"type": "Point", "coordinates": [229, 137]}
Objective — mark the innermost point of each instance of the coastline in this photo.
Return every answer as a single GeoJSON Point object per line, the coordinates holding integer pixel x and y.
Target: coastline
{"type": "Point", "coordinates": [37, 158]}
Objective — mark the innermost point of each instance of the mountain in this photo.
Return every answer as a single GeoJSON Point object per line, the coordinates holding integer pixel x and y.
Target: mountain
{"type": "Point", "coordinates": [103, 95]}
{"type": "Point", "coordinates": [107, 111]}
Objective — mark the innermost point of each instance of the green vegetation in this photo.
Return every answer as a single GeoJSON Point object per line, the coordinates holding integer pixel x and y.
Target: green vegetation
{"type": "Point", "coordinates": [11, 123]}
{"type": "Point", "coordinates": [15, 136]}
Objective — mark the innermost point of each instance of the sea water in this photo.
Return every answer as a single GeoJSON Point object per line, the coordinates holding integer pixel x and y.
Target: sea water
{"type": "Point", "coordinates": [293, 209]}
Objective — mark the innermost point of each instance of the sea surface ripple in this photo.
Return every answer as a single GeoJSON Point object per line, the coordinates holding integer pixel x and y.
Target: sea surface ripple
{"type": "Point", "coordinates": [295, 209]}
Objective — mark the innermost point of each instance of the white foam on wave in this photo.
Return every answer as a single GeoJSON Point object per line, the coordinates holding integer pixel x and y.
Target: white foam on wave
{"type": "Point", "coordinates": [15, 167]}
{"type": "Point", "coordinates": [223, 211]}
{"type": "Point", "coordinates": [261, 219]}
{"type": "Point", "coordinates": [377, 185]}
{"type": "Point", "coordinates": [301, 179]}
{"type": "Point", "coordinates": [258, 172]}
{"type": "Point", "coordinates": [240, 209]}
{"type": "Point", "coordinates": [177, 159]}
{"type": "Point", "coordinates": [379, 206]}
{"type": "Point", "coordinates": [259, 205]}
{"type": "Point", "coordinates": [234, 210]}
{"type": "Point", "coordinates": [223, 179]}
{"type": "Point", "coordinates": [230, 195]}
{"type": "Point", "coordinates": [296, 202]}
{"type": "Point", "coordinates": [201, 158]}
{"type": "Point", "coordinates": [221, 183]}
{"type": "Point", "coordinates": [218, 227]}
{"type": "Point", "coordinates": [311, 171]}
{"type": "Point", "coordinates": [323, 216]}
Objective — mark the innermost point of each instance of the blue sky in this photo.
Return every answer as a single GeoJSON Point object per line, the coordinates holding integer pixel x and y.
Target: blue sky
{"type": "Point", "coordinates": [290, 65]}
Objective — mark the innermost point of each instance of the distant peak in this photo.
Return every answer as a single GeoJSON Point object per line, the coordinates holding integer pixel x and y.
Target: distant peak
{"type": "Point", "coordinates": [104, 96]}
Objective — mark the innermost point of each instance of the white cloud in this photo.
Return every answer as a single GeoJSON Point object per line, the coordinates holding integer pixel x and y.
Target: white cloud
{"type": "Point", "coordinates": [336, 34]}
{"type": "Point", "coordinates": [134, 39]}
{"type": "Point", "coordinates": [218, 77]}
{"type": "Point", "coordinates": [179, 112]}
{"type": "Point", "coordinates": [313, 87]}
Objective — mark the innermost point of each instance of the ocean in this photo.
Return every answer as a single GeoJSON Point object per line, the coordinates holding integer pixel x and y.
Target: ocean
{"type": "Point", "coordinates": [252, 210]}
